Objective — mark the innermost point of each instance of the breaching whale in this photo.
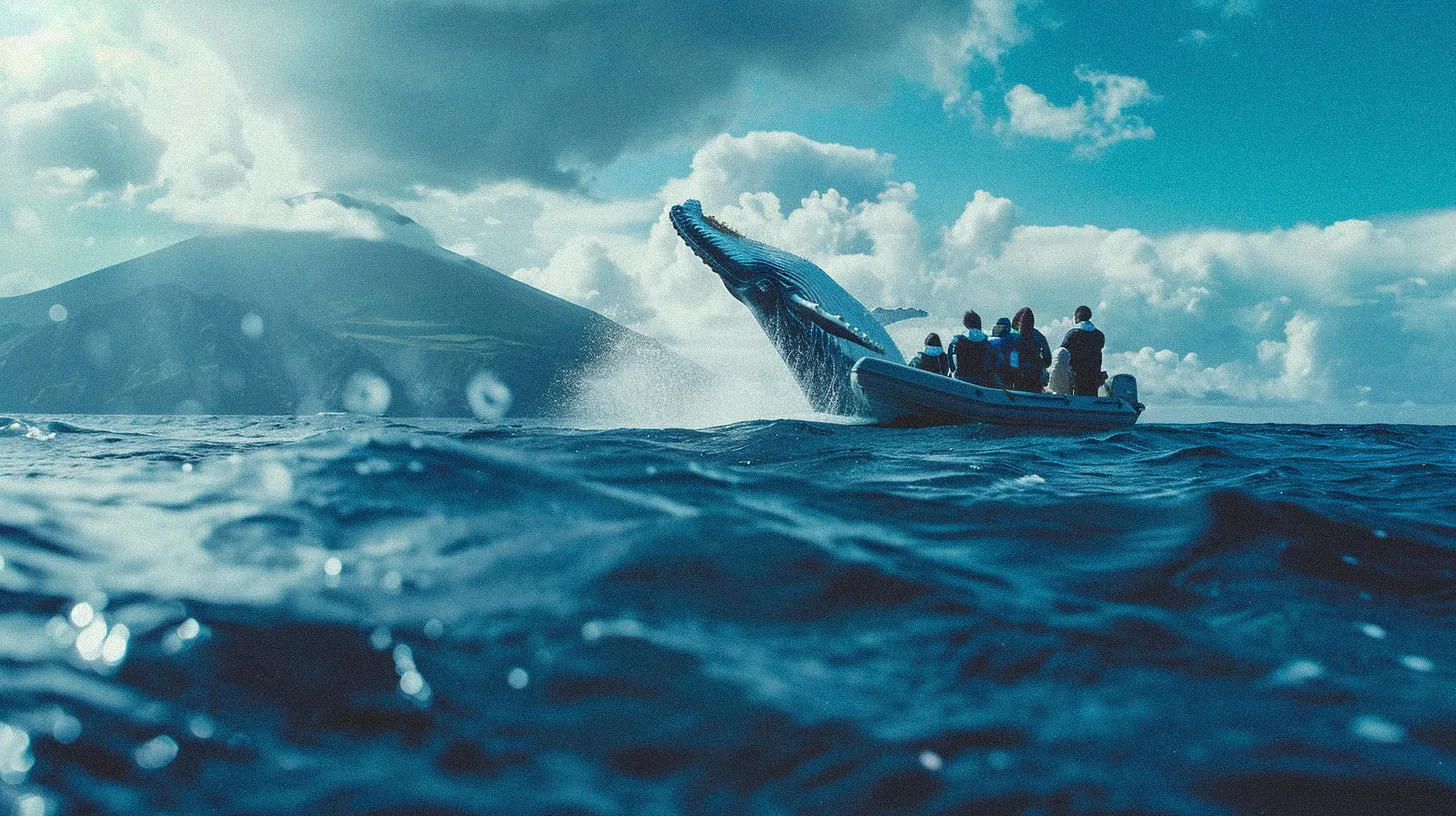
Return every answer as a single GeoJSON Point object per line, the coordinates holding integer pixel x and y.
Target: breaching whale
{"type": "Point", "coordinates": [818, 328]}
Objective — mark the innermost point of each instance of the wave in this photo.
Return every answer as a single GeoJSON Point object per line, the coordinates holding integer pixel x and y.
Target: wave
{"type": "Point", "coordinates": [769, 616]}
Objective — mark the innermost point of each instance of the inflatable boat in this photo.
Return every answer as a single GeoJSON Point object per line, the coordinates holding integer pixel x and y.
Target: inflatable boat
{"type": "Point", "coordinates": [900, 395]}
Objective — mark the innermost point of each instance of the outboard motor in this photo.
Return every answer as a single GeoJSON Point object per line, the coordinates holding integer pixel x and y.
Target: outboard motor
{"type": "Point", "coordinates": [1124, 387]}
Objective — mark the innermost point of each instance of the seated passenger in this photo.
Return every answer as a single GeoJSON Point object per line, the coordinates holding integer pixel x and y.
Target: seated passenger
{"type": "Point", "coordinates": [1033, 353]}
{"type": "Point", "coordinates": [1004, 354]}
{"type": "Point", "coordinates": [970, 354]}
{"type": "Point", "coordinates": [1059, 376]}
{"type": "Point", "coordinates": [933, 358]}
{"type": "Point", "coordinates": [1085, 342]}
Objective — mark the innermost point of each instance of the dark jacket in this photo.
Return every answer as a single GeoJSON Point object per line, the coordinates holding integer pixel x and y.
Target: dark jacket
{"type": "Point", "coordinates": [970, 358]}
{"type": "Point", "coordinates": [938, 364]}
{"type": "Point", "coordinates": [1034, 356]}
{"type": "Point", "coordinates": [1085, 343]}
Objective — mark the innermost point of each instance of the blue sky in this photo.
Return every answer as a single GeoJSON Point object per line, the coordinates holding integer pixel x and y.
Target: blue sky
{"type": "Point", "coordinates": [1276, 114]}
{"type": "Point", "coordinates": [1238, 183]}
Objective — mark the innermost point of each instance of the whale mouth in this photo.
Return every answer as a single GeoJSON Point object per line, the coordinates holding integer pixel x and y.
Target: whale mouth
{"type": "Point", "coordinates": [755, 276]}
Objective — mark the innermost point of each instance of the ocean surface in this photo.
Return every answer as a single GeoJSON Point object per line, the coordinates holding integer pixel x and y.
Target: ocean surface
{"type": "Point", "coordinates": [352, 615]}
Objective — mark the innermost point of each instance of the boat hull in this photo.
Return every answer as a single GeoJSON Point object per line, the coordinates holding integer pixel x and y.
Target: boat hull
{"type": "Point", "coordinates": [901, 395]}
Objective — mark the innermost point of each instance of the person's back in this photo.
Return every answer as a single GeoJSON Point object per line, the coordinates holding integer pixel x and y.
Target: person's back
{"type": "Point", "coordinates": [1004, 353]}
{"type": "Point", "coordinates": [1059, 375]}
{"type": "Point", "coordinates": [1034, 355]}
{"type": "Point", "coordinates": [969, 353]}
{"type": "Point", "coordinates": [1084, 342]}
{"type": "Point", "coordinates": [933, 358]}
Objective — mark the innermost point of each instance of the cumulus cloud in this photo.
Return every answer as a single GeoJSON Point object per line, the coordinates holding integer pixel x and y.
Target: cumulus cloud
{"type": "Point", "coordinates": [786, 164]}
{"type": "Point", "coordinates": [980, 232]}
{"type": "Point", "coordinates": [457, 94]}
{"type": "Point", "coordinates": [130, 110]}
{"type": "Point", "coordinates": [1355, 311]}
{"type": "Point", "coordinates": [1092, 126]}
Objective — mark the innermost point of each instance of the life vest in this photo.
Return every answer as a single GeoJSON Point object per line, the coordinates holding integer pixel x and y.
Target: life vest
{"type": "Point", "coordinates": [970, 356]}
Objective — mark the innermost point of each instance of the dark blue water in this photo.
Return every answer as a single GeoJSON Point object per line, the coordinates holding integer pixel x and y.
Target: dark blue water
{"type": "Point", "coordinates": [338, 615]}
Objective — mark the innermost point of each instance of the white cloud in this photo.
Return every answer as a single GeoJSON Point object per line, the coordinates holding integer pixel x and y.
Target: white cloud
{"type": "Point", "coordinates": [584, 272]}
{"type": "Point", "coordinates": [1092, 126]}
{"type": "Point", "coordinates": [1197, 37]}
{"type": "Point", "coordinates": [1232, 8]}
{"type": "Point", "coordinates": [124, 109]}
{"type": "Point", "coordinates": [1352, 311]}
{"type": "Point", "coordinates": [786, 164]}
{"type": "Point", "coordinates": [994, 27]}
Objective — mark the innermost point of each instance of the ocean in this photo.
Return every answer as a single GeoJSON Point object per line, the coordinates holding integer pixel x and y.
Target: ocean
{"type": "Point", "coordinates": [343, 614]}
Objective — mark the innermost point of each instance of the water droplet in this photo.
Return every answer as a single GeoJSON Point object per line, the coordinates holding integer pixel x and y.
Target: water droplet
{"type": "Point", "coordinates": [31, 804]}
{"type": "Point", "coordinates": [186, 467]}
{"type": "Point", "coordinates": [518, 678]}
{"type": "Point", "coordinates": [404, 658]}
{"type": "Point", "coordinates": [66, 729]}
{"type": "Point", "coordinates": [931, 760]}
{"type": "Point", "coordinates": [1417, 663]}
{"type": "Point", "coordinates": [188, 629]}
{"type": "Point", "coordinates": [1380, 533]}
{"type": "Point", "coordinates": [113, 649]}
{"type": "Point", "coordinates": [276, 482]}
{"type": "Point", "coordinates": [998, 760]}
{"type": "Point", "coordinates": [58, 313]}
{"type": "Point", "coordinates": [366, 393]}
{"type": "Point", "coordinates": [591, 630]}
{"type": "Point", "coordinates": [1376, 729]}
{"type": "Point", "coordinates": [380, 638]}
{"type": "Point", "coordinates": [1351, 560]}
{"type": "Point", "coordinates": [333, 566]}
{"type": "Point", "coordinates": [252, 326]}
{"type": "Point", "coordinates": [411, 682]}
{"type": "Point", "coordinates": [201, 726]}
{"type": "Point", "coordinates": [81, 615]}
{"type": "Point", "coordinates": [156, 753]}
{"type": "Point", "coordinates": [1296, 672]}
{"type": "Point", "coordinates": [489, 398]}
{"type": "Point", "coordinates": [88, 642]}
{"type": "Point", "coordinates": [1372, 630]}
{"type": "Point", "coordinates": [434, 628]}
{"type": "Point", "coordinates": [392, 581]}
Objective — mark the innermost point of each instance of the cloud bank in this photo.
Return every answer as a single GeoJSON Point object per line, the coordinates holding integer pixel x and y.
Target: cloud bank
{"type": "Point", "coordinates": [1355, 312]}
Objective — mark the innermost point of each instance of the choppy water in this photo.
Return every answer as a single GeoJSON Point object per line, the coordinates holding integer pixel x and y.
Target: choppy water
{"type": "Point", "coordinates": [339, 615]}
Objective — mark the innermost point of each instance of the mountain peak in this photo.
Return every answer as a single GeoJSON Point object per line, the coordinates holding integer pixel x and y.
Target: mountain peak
{"type": "Point", "coordinates": [363, 219]}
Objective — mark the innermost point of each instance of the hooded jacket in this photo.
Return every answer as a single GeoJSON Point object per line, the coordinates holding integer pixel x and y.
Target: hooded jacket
{"type": "Point", "coordinates": [969, 355]}
{"type": "Point", "coordinates": [932, 359]}
{"type": "Point", "coordinates": [1085, 342]}
{"type": "Point", "coordinates": [1059, 375]}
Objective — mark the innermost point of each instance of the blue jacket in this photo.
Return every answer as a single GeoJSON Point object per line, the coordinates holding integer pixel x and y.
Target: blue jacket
{"type": "Point", "coordinates": [1003, 349]}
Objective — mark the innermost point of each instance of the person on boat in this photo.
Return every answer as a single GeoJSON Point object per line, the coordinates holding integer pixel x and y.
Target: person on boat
{"type": "Point", "coordinates": [970, 354]}
{"type": "Point", "coordinates": [1004, 355]}
{"type": "Point", "coordinates": [1085, 341]}
{"type": "Point", "coordinates": [1059, 375]}
{"type": "Point", "coordinates": [933, 358]}
{"type": "Point", "coordinates": [1033, 353]}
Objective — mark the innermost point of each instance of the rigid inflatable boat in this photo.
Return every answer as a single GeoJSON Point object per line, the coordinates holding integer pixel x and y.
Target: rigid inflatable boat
{"type": "Point", "coordinates": [900, 395]}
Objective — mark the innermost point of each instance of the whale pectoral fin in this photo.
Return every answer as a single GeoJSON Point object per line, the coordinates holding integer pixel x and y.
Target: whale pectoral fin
{"type": "Point", "coordinates": [832, 323]}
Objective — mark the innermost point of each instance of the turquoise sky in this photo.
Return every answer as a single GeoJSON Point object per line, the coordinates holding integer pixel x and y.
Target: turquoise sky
{"type": "Point", "coordinates": [1274, 115]}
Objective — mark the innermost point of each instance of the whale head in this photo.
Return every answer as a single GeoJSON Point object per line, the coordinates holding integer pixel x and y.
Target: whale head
{"type": "Point", "coordinates": [818, 328]}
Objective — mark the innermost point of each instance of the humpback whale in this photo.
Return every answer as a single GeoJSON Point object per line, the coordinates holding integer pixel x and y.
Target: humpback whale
{"type": "Point", "coordinates": [819, 329]}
